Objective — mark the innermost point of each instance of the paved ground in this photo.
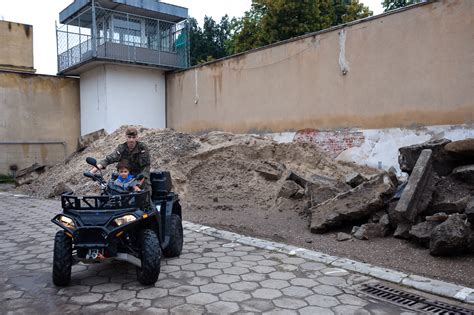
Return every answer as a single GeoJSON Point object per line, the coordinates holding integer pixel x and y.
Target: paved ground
{"type": "Point", "coordinates": [211, 276]}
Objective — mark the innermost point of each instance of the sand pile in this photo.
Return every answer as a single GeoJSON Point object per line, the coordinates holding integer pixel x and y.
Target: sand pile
{"type": "Point", "coordinates": [216, 170]}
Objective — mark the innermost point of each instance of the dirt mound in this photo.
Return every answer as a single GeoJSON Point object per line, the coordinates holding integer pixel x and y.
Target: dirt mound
{"type": "Point", "coordinates": [217, 170]}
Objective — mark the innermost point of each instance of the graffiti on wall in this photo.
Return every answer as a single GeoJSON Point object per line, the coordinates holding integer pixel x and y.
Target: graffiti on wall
{"type": "Point", "coordinates": [331, 141]}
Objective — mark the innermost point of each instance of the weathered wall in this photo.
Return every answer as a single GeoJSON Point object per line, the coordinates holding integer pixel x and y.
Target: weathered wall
{"type": "Point", "coordinates": [16, 46]}
{"type": "Point", "coordinates": [39, 120]}
{"type": "Point", "coordinates": [114, 95]}
{"type": "Point", "coordinates": [373, 147]}
{"type": "Point", "coordinates": [413, 67]}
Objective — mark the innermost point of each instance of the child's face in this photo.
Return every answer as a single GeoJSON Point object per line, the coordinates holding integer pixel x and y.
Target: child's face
{"type": "Point", "coordinates": [123, 172]}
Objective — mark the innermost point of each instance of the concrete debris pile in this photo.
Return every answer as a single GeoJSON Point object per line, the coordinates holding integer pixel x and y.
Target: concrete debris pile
{"type": "Point", "coordinates": [434, 209]}
{"type": "Point", "coordinates": [218, 170]}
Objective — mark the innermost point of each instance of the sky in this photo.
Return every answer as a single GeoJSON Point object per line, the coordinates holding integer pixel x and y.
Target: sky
{"type": "Point", "coordinates": [43, 15]}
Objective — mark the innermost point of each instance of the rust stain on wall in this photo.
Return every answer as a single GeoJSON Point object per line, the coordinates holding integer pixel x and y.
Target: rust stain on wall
{"type": "Point", "coordinates": [26, 150]}
{"type": "Point", "coordinates": [43, 152]}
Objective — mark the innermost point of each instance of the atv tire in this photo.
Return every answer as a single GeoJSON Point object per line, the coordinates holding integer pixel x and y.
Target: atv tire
{"type": "Point", "coordinates": [151, 258]}
{"type": "Point", "coordinates": [176, 237]}
{"type": "Point", "coordinates": [62, 260]}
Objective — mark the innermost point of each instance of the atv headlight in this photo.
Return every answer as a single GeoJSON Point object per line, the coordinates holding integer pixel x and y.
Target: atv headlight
{"type": "Point", "coordinates": [67, 222]}
{"type": "Point", "coordinates": [125, 219]}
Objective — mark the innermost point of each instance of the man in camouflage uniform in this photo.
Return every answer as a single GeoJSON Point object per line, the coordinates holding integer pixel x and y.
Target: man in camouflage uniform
{"type": "Point", "coordinates": [135, 154]}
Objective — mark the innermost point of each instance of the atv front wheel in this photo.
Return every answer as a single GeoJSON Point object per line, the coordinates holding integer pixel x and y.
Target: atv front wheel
{"type": "Point", "coordinates": [151, 258]}
{"type": "Point", "coordinates": [176, 237]}
{"type": "Point", "coordinates": [62, 260]}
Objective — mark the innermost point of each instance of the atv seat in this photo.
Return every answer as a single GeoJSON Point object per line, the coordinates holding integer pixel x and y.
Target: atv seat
{"type": "Point", "coordinates": [160, 184]}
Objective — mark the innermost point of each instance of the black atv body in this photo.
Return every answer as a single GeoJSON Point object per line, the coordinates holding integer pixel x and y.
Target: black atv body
{"type": "Point", "coordinates": [129, 227]}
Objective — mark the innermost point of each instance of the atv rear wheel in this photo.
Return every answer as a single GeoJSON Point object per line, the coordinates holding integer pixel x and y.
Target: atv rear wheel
{"type": "Point", "coordinates": [176, 237]}
{"type": "Point", "coordinates": [151, 258]}
{"type": "Point", "coordinates": [62, 260]}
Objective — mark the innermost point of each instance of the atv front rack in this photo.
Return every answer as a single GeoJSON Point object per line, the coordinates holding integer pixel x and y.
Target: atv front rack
{"type": "Point", "coordinates": [125, 201]}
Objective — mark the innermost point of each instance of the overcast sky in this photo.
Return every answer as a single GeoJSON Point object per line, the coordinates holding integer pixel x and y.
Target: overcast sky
{"type": "Point", "coordinates": [43, 14]}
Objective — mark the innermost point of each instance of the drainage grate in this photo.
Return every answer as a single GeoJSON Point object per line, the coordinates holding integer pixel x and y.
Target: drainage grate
{"type": "Point", "coordinates": [412, 301]}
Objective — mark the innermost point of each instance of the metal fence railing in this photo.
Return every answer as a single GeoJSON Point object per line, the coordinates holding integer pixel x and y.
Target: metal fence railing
{"type": "Point", "coordinates": [123, 37]}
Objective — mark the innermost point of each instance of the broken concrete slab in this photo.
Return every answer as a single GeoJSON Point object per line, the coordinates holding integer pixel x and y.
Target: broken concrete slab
{"type": "Point", "coordinates": [354, 179]}
{"type": "Point", "coordinates": [343, 237]}
{"type": "Point", "coordinates": [443, 163]}
{"type": "Point", "coordinates": [464, 173]}
{"type": "Point", "coordinates": [269, 171]}
{"type": "Point", "coordinates": [288, 189]}
{"type": "Point", "coordinates": [461, 147]}
{"type": "Point", "coordinates": [29, 174]}
{"type": "Point", "coordinates": [450, 237]}
{"type": "Point", "coordinates": [450, 195]}
{"type": "Point", "coordinates": [421, 232]}
{"type": "Point", "coordinates": [84, 141]}
{"type": "Point", "coordinates": [368, 231]}
{"type": "Point", "coordinates": [411, 202]}
{"type": "Point", "coordinates": [469, 211]}
{"type": "Point", "coordinates": [357, 203]}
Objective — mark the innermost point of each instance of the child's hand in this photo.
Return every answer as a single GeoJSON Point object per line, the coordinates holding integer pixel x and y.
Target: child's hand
{"type": "Point", "coordinates": [136, 188]}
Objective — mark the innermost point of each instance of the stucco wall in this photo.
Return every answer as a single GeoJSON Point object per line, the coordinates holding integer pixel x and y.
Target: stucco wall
{"type": "Point", "coordinates": [115, 95]}
{"type": "Point", "coordinates": [413, 67]}
{"type": "Point", "coordinates": [16, 46]}
{"type": "Point", "coordinates": [39, 120]}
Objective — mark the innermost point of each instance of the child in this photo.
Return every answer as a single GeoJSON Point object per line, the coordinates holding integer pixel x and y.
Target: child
{"type": "Point", "coordinates": [125, 180]}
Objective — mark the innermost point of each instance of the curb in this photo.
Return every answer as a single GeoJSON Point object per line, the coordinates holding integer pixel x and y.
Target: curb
{"type": "Point", "coordinates": [440, 288]}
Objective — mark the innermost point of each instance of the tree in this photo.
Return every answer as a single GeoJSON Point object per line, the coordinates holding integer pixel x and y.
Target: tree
{"type": "Point", "coordinates": [208, 43]}
{"type": "Point", "coordinates": [269, 21]}
{"type": "Point", "coordinates": [389, 5]}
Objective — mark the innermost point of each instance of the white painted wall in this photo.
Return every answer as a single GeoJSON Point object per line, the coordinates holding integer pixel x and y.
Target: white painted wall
{"type": "Point", "coordinates": [380, 146]}
{"type": "Point", "coordinates": [115, 95]}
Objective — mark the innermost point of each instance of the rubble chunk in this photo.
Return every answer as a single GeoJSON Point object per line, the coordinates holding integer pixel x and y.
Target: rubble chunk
{"type": "Point", "coordinates": [269, 171]}
{"type": "Point", "coordinates": [462, 147]}
{"type": "Point", "coordinates": [421, 232]}
{"type": "Point", "coordinates": [343, 236]}
{"type": "Point", "coordinates": [450, 237]}
{"type": "Point", "coordinates": [438, 217]}
{"type": "Point", "coordinates": [368, 231]}
{"type": "Point", "coordinates": [411, 203]}
{"type": "Point", "coordinates": [469, 212]}
{"type": "Point", "coordinates": [357, 203]}
{"type": "Point", "coordinates": [288, 189]}
{"type": "Point", "coordinates": [442, 162]}
{"type": "Point", "coordinates": [29, 174]}
{"type": "Point", "coordinates": [465, 173]}
{"type": "Point", "coordinates": [354, 179]}
{"type": "Point", "coordinates": [84, 141]}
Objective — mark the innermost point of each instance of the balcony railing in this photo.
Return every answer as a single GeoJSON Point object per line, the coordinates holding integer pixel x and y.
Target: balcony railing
{"type": "Point", "coordinates": [121, 37]}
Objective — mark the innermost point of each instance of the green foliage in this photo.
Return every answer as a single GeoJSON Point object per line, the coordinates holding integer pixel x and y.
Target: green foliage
{"type": "Point", "coordinates": [208, 43]}
{"type": "Point", "coordinates": [389, 5]}
{"type": "Point", "coordinates": [6, 179]}
{"type": "Point", "coordinates": [267, 22]}
{"type": "Point", "coordinates": [270, 21]}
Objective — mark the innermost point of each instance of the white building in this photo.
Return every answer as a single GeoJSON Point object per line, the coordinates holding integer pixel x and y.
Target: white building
{"type": "Point", "coordinates": [121, 50]}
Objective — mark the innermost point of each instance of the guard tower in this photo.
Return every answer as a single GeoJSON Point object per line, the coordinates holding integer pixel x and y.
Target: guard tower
{"type": "Point", "coordinates": [121, 49]}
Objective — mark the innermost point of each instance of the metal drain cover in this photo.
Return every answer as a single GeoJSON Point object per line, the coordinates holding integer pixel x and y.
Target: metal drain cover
{"type": "Point", "coordinates": [412, 301]}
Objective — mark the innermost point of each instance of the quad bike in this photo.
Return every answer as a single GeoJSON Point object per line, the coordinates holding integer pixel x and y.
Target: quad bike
{"type": "Point", "coordinates": [118, 225]}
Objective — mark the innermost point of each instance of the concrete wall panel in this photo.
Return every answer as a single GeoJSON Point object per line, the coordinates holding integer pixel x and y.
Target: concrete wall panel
{"type": "Point", "coordinates": [413, 67]}
{"type": "Point", "coordinates": [16, 46]}
{"type": "Point", "coordinates": [115, 95]}
{"type": "Point", "coordinates": [39, 119]}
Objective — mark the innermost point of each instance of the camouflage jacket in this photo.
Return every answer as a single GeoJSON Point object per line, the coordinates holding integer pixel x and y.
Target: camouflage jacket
{"type": "Point", "coordinates": [138, 159]}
